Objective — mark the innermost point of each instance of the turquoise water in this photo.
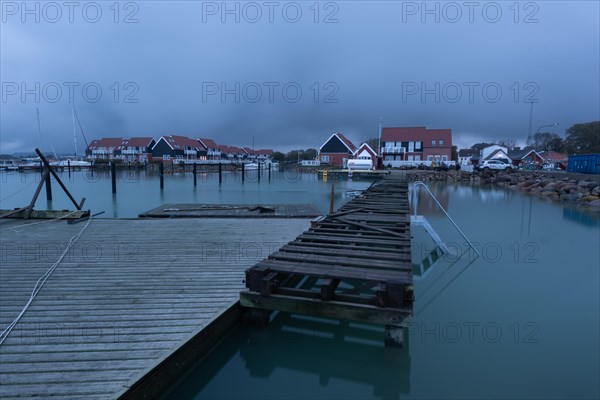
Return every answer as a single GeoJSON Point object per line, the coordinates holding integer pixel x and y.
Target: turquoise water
{"type": "Point", "coordinates": [521, 321]}
{"type": "Point", "coordinates": [139, 191]}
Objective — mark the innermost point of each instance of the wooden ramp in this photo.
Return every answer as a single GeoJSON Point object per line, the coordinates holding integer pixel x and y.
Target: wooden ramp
{"type": "Point", "coordinates": [233, 211]}
{"type": "Point", "coordinates": [126, 296]}
{"type": "Point", "coordinates": [354, 264]}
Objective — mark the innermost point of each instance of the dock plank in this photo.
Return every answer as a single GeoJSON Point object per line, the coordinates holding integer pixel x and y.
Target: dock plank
{"type": "Point", "coordinates": [125, 297]}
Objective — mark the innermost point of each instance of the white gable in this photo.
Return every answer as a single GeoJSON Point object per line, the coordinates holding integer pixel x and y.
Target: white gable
{"type": "Point", "coordinates": [363, 153]}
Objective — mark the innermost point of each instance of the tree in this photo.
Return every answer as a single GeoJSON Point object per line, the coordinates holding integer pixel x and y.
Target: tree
{"type": "Point", "coordinates": [508, 143]}
{"type": "Point", "coordinates": [310, 154]}
{"type": "Point", "coordinates": [583, 138]}
{"type": "Point", "coordinates": [546, 141]}
{"type": "Point", "coordinates": [278, 156]}
{"type": "Point", "coordinates": [373, 143]}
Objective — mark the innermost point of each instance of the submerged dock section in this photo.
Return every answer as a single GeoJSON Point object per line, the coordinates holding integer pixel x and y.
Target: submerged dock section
{"type": "Point", "coordinates": [353, 264]}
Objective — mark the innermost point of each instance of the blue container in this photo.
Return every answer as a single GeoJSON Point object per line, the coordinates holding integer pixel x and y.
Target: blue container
{"type": "Point", "coordinates": [584, 163]}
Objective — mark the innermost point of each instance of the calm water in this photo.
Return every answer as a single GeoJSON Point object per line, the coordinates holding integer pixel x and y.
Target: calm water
{"type": "Point", "coordinates": [522, 321]}
{"type": "Point", "coordinates": [139, 191]}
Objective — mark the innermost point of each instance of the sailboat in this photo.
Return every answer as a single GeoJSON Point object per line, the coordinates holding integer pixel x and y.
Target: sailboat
{"type": "Point", "coordinates": [76, 162]}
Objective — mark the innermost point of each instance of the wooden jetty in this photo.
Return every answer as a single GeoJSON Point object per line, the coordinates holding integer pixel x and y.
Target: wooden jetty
{"type": "Point", "coordinates": [353, 264]}
{"type": "Point", "coordinates": [45, 214]}
{"type": "Point", "coordinates": [233, 211]}
{"type": "Point", "coordinates": [131, 307]}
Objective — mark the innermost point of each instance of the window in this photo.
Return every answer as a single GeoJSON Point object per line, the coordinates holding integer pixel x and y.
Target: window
{"type": "Point", "coordinates": [441, 142]}
{"type": "Point", "coordinates": [444, 158]}
{"type": "Point", "coordinates": [411, 158]}
{"type": "Point", "coordinates": [411, 147]}
{"type": "Point", "coordinates": [429, 158]}
{"type": "Point", "coordinates": [325, 159]}
{"type": "Point", "coordinates": [417, 157]}
{"type": "Point", "coordinates": [433, 142]}
{"type": "Point", "coordinates": [418, 145]}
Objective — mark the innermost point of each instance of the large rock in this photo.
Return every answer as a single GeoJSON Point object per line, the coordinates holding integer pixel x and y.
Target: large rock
{"type": "Point", "coordinates": [595, 203]}
{"type": "Point", "coordinates": [587, 199]}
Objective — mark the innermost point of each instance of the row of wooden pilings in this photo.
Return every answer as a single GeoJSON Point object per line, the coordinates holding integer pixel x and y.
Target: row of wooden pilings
{"type": "Point", "coordinates": [161, 173]}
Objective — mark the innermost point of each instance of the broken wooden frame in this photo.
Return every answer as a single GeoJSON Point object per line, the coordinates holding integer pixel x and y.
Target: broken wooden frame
{"type": "Point", "coordinates": [354, 264]}
{"type": "Point", "coordinates": [28, 212]}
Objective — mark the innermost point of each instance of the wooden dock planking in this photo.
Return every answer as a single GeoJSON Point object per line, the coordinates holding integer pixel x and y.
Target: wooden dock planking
{"type": "Point", "coordinates": [233, 211]}
{"type": "Point", "coordinates": [127, 295]}
{"type": "Point", "coordinates": [365, 245]}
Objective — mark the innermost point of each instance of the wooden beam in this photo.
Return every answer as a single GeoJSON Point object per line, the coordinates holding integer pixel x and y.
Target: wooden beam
{"type": "Point", "coordinates": [331, 309]}
{"type": "Point", "coordinates": [64, 188]}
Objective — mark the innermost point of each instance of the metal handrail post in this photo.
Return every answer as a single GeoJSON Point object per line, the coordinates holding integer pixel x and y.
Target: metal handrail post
{"type": "Point", "coordinates": [417, 183]}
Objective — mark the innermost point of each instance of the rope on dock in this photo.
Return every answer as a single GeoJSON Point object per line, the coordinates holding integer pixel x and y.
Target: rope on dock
{"type": "Point", "coordinates": [13, 228]}
{"type": "Point", "coordinates": [40, 282]}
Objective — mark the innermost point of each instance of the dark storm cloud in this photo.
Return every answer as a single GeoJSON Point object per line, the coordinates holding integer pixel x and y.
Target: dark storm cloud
{"type": "Point", "coordinates": [159, 75]}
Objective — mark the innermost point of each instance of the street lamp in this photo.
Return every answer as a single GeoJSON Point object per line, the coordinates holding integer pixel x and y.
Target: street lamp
{"type": "Point", "coordinates": [545, 126]}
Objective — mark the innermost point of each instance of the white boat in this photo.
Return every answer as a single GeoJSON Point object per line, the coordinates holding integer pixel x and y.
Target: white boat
{"type": "Point", "coordinates": [253, 166]}
{"type": "Point", "coordinates": [72, 163]}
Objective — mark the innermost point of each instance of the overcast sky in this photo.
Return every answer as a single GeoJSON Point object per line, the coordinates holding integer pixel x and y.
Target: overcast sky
{"type": "Point", "coordinates": [288, 74]}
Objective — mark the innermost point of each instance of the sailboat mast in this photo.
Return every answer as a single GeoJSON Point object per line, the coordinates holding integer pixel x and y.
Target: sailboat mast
{"type": "Point", "coordinates": [39, 127]}
{"type": "Point", "coordinates": [74, 132]}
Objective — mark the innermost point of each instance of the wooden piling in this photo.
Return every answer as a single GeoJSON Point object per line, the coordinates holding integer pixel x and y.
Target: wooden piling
{"type": "Point", "coordinates": [331, 199]}
{"type": "Point", "coordinates": [194, 171]}
{"type": "Point", "coordinates": [69, 167]}
{"type": "Point", "coordinates": [113, 176]}
{"type": "Point", "coordinates": [161, 173]}
{"type": "Point", "coordinates": [243, 172]}
{"type": "Point", "coordinates": [220, 173]}
{"type": "Point", "coordinates": [48, 185]}
{"type": "Point", "coordinates": [258, 171]}
{"type": "Point", "coordinates": [269, 172]}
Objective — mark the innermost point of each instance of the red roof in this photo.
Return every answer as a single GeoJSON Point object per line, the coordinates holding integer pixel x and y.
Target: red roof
{"type": "Point", "coordinates": [236, 150]}
{"type": "Point", "coordinates": [249, 150]}
{"type": "Point", "coordinates": [137, 141]}
{"type": "Point", "coordinates": [417, 134]}
{"type": "Point", "coordinates": [230, 149]}
{"type": "Point", "coordinates": [553, 156]}
{"type": "Point", "coordinates": [264, 152]}
{"type": "Point", "coordinates": [413, 134]}
{"type": "Point", "coordinates": [346, 141]}
{"type": "Point", "coordinates": [180, 142]}
{"type": "Point", "coordinates": [105, 143]}
{"type": "Point", "coordinates": [208, 143]}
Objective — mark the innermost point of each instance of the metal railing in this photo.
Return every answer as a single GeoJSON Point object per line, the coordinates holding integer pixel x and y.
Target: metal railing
{"type": "Point", "coordinates": [414, 194]}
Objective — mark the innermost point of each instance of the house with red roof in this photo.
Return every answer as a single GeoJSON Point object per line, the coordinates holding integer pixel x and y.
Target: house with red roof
{"type": "Point", "coordinates": [212, 149]}
{"type": "Point", "coordinates": [365, 152]}
{"type": "Point", "coordinates": [104, 148]}
{"type": "Point", "coordinates": [415, 144]}
{"type": "Point", "coordinates": [336, 150]}
{"type": "Point", "coordinates": [232, 153]}
{"type": "Point", "coordinates": [136, 149]}
{"type": "Point", "coordinates": [175, 147]}
{"type": "Point", "coordinates": [126, 149]}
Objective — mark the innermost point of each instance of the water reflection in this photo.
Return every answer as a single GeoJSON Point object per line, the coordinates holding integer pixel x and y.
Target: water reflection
{"type": "Point", "coordinates": [327, 355]}
{"type": "Point", "coordinates": [328, 349]}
